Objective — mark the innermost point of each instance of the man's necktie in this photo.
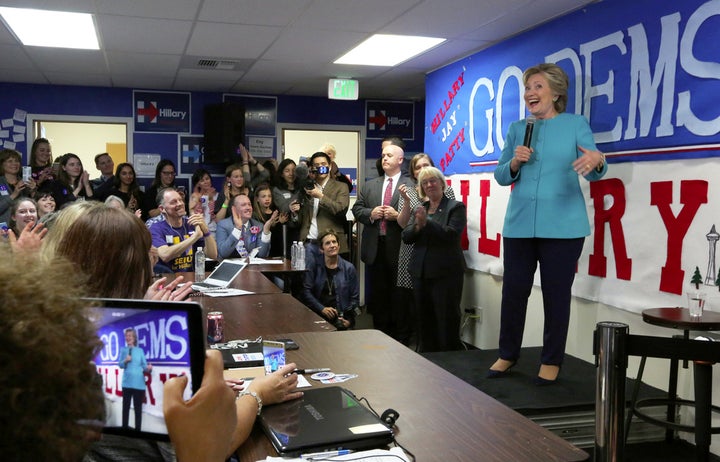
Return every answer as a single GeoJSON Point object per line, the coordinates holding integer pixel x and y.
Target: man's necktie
{"type": "Point", "coordinates": [386, 201]}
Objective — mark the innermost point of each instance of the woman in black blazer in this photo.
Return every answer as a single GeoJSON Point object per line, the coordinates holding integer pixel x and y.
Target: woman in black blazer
{"type": "Point", "coordinates": [438, 263]}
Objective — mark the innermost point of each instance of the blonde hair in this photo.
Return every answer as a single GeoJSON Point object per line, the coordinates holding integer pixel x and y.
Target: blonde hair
{"type": "Point", "coordinates": [557, 79]}
{"type": "Point", "coordinates": [104, 234]}
{"type": "Point", "coordinates": [429, 172]}
{"type": "Point", "coordinates": [65, 219]}
{"type": "Point", "coordinates": [329, 149]}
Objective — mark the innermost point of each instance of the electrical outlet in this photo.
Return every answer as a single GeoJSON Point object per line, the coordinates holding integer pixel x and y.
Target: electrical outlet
{"type": "Point", "coordinates": [475, 312]}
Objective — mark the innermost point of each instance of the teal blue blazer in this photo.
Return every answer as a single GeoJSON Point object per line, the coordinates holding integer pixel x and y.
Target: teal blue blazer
{"type": "Point", "coordinates": [546, 200]}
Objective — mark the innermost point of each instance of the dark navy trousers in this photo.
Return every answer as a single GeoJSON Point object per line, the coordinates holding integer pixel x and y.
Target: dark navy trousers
{"type": "Point", "coordinates": [558, 263]}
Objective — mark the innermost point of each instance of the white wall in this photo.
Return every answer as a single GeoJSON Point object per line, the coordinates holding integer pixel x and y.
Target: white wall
{"type": "Point", "coordinates": [84, 139]}
{"type": "Point", "coordinates": [484, 290]}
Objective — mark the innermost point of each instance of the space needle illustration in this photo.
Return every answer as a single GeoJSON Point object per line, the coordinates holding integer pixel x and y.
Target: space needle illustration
{"type": "Point", "coordinates": [712, 238]}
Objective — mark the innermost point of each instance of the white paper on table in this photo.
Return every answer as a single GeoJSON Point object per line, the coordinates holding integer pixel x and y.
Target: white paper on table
{"type": "Point", "coordinates": [226, 292]}
{"type": "Point", "coordinates": [374, 455]}
{"type": "Point", "coordinates": [265, 261]}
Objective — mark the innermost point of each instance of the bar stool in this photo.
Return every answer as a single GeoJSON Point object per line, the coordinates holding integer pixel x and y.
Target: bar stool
{"type": "Point", "coordinates": [679, 318]}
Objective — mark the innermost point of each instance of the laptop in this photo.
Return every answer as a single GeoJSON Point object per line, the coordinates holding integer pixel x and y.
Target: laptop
{"type": "Point", "coordinates": [221, 277]}
{"type": "Point", "coordinates": [324, 419]}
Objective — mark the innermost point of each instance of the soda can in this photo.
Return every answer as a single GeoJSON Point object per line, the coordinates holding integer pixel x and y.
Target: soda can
{"type": "Point", "coordinates": [215, 326]}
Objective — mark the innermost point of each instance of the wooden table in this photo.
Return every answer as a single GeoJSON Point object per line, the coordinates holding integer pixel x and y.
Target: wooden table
{"type": "Point", "coordinates": [263, 315]}
{"type": "Point", "coordinates": [285, 271]}
{"type": "Point", "coordinates": [441, 417]}
{"type": "Point", "coordinates": [267, 311]}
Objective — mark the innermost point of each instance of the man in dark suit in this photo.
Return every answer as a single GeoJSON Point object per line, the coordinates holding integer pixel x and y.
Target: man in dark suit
{"type": "Point", "coordinates": [376, 209]}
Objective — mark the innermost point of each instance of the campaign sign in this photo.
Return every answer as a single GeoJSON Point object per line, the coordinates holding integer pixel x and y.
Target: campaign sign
{"type": "Point", "coordinates": [390, 118]}
{"type": "Point", "coordinates": [161, 111]}
{"type": "Point", "coordinates": [260, 113]}
{"type": "Point", "coordinates": [641, 72]}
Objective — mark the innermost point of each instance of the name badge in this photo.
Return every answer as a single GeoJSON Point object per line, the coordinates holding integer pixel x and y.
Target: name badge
{"type": "Point", "coordinates": [169, 240]}
{"type": "Point", "coordinates": [4, 191]}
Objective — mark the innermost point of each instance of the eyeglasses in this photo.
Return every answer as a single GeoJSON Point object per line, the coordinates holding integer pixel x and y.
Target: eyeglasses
{"type": "Point", "coordinates": [168, 173]}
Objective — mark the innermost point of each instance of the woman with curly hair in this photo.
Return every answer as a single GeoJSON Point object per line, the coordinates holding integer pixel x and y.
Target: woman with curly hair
{"type": "Point", "coordinates": [50, 389]}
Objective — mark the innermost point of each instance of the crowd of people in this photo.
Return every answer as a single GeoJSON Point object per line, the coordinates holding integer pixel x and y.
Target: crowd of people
{"type": "Point", "coordinates": [60, 220]}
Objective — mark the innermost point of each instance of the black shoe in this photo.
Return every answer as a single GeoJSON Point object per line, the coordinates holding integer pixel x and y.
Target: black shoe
{"type": "Point", "coordinates": [541, 382]}
{"type": "Point", "coordinates": [493, 374]}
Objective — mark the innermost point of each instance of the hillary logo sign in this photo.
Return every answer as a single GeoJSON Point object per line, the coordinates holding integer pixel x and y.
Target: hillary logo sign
{"type": "Point", "coordinates": [161, 111]}
{"type": "Point", "coordinates": [386, 118]}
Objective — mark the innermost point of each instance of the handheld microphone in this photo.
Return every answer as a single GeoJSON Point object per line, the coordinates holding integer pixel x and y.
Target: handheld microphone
{"type": "Point", "coordinates": [529, 125]}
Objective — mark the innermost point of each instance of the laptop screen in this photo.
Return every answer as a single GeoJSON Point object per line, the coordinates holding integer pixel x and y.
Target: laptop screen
{"type": "Point", "coordinates": [226, 271]}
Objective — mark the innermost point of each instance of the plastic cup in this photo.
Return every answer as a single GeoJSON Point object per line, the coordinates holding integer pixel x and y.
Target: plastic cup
{"type": "Point", "coordinates": [696, 303]}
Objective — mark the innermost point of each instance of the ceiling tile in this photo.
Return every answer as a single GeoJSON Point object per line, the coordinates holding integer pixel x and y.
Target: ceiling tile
{"type": "Point", "coordinates": [79, 78]}
{"type": "Point", "coordinates": [22, 76]}
{"type": "Point", "coordinates": [231, 40]}
{"type": "Point", "coordinates": [327, 45]}
{"type": "Point", "coordinates": [364, 16]}
{"type": "Point", "coordinates": [14, 57]}
{"type": "Point", "coordinates": [164, 9]}
{"type": "Point", "coordinates": [119, 33]}
{"type": "Point", "coordinates": [142, 81]}
{"type": "Point", "coordinates": [142, 63]}
{"type": "Point", "coordinates": [65, 60]}
{"type": "Point", "coordinates": [255, 12]}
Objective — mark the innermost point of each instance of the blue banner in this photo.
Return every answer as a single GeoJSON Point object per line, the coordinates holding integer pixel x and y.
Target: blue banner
{"type": "Point", "coordinates": [156, 111]}
{"type": "Point", "coordinates": [640, 71]}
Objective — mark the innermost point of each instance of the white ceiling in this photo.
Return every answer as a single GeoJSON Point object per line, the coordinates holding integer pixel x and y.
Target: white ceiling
{"type": "Point", "coordinates": [273, 46]}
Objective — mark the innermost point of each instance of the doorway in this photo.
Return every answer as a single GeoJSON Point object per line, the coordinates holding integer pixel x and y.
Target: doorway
{"type": "Point", "coordinates": [83, 136]}
{"type": "Point", "coordinates": [299, 140]}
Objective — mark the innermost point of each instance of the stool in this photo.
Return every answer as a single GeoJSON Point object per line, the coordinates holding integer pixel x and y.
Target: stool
{"type": "Point", "coordinates": [679, 318]}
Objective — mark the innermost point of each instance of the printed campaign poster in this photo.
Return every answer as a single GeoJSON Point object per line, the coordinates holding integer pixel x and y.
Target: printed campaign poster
{"type": "Point", "coordinates": [390, 118]}
{"type": "Point", "coordinates": [160, 111]}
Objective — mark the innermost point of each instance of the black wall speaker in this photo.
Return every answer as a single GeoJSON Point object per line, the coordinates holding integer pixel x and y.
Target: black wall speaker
{"type": "Point", "coordinates": [224, 130]}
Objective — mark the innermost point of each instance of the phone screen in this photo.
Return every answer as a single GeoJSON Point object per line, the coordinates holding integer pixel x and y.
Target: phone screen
{"type": "Point", "coordinates": [144, 345]}
{"type": "Point", "coordinates": [273, 355]}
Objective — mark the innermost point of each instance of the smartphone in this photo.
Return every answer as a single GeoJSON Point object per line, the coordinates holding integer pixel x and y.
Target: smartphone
{"type": "Point", "coordinates": [3, 226]}
{"type": "Point", "coordinates": [181, 189]}
{"type": "Point", "coordinates": [169, 336]}
{"type": "Point", "coordinates": [273, 355]}
{"type": "Point", "coordinates": [289, 343]}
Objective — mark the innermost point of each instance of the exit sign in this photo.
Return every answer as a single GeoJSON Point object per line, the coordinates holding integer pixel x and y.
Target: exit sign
{"type": "Point", "coordinates": [343, 89]}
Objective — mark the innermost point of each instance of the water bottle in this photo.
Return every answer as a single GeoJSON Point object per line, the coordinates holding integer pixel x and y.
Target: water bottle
{"type": "Point", "coordinates": [199, 265]}
{"type": "Point", "coordinates": [293, 255]}
{"type": "Point", "coordinates": [205, 208]}
{"type": "Point", "coordinates": [301, 256]}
